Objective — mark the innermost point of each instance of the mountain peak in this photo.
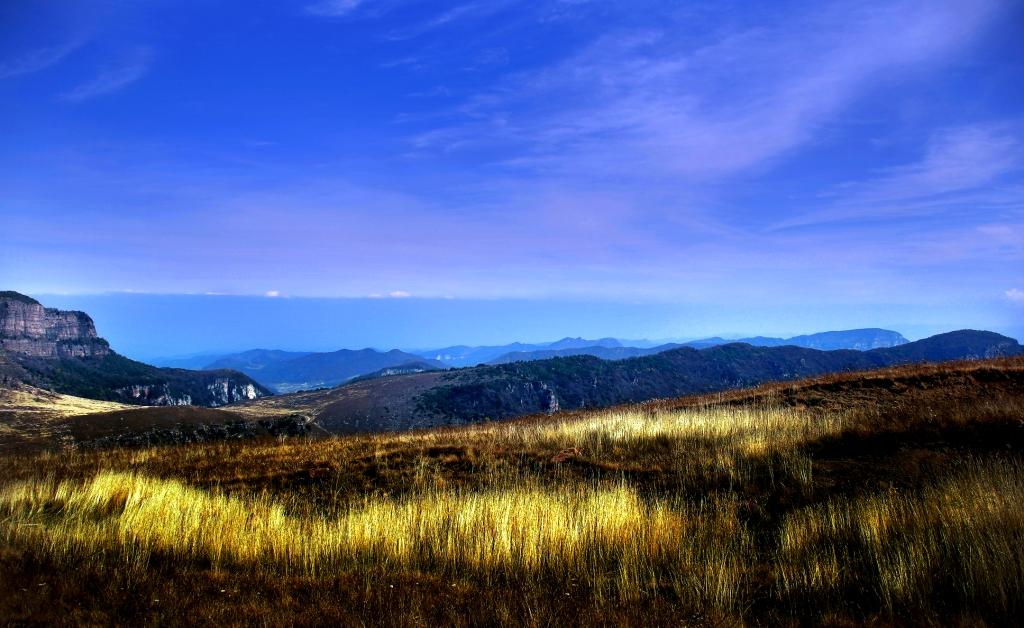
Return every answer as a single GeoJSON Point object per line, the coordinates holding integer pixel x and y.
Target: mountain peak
{"type": "Point", "coordinates": [11, 295]}
{"type": "Point", "coordinates": [577, 343]}
{"type": "Point", "coordinates": [960, 344]}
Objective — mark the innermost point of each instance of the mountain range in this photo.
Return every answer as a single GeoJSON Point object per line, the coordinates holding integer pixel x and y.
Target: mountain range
{"type": "Point", "coordinates": [614, 349]}
{"type": "Point", "coordinates": [60, 351]}
{"type": "Point", "coordinates": [464, 355]}
{"type": "Point", "coordinates": [292, 371]}
{"type": "Point", "coordinates": [285, 373]}
{"type": "Point", "coordinates": [583, 381]}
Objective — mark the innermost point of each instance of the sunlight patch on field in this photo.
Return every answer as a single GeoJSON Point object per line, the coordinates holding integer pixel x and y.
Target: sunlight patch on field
{"type": "Point", "coordinates": [959, 539]}
{"type": "Point", "coordinates": [748, 429]}
{"type": "Point", "coordinates": [26, 399]}
{"type": "Point", "coordinates": [607, 538]}
{"type": "Point", "coordinates": [716, 508]}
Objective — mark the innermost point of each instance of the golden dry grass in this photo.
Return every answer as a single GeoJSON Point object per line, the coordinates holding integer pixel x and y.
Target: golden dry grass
{"type": "Point", "coordinates": [609, 538]}
{"type": "Point", "coordinates": [45, 404]}
{"type": "Point", "coordinates": [33, 415]}
{"type": "Point", "coordinates": [956, 541]}
{"type": "Point", "coordinates": [754, 513]}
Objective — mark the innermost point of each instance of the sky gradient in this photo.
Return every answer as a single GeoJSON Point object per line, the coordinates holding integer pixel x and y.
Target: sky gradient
{"type": "Point", "coordinates": [736, 167]}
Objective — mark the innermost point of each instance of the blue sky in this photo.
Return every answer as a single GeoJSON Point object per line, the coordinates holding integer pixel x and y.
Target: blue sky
{"type": "Point", "coordinates": [726, 167]}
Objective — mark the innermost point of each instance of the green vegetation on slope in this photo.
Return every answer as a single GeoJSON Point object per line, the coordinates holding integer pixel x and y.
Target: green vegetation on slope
{"type": "Point", "coordinates": [755, 507]}
{"type": "Point", "coordinates": [112, 377]}
{"type": "Point", "coordinates": [587, 382]}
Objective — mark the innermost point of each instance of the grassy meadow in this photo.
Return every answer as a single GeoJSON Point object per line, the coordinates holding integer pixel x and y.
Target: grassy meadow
{"type": "Point", "coordinates": [725, 510]}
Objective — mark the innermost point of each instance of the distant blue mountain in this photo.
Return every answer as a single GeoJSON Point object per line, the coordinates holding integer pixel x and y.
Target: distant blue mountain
{"type": "Point", "coordinates": [859, 339]}
{"type": "Point", "coordinates": [195, 361]}
{"type": "Point", "coordinates": [578, 343]}
{"type": "Point", "coordinates": [464, 355]}
{"type": "Point", "coordinates": [612, 349]}
{"type": "Point", "coordinates": [290, 371]}
{"type": "Point", "coordinates": [542, 386]}
{"type": "Point", "coordinates": [255, 359]}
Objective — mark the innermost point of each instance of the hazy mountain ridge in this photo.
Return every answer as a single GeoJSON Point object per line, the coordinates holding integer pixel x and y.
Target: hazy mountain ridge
{"type": "Point", "coordinates": [254, 359]}
{"type": "Point", "coordinates": [60, 350]}
{"type": "Point", "coordinates": [520, 388]}
{"type": "Point", "coordinates": [859, 339]}
{"type": "Point", "coordinates": [605, 353]}
{"type": "Point", "coordinates": [465, 355]}
{"type": "Point", "coordinates": [291, 371]}
{"type": "Point", "coordinates": [285, 371]}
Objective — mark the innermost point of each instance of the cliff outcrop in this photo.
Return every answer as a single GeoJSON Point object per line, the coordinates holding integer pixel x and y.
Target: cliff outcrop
{"type": "Point", "coordinates": [28, 328]}
{"type": "Point", "coordinates": [60, 350]}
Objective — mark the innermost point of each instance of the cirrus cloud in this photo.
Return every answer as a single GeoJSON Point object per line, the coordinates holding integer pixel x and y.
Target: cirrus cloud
{"type": "Point", "coordinates": [113, 77]}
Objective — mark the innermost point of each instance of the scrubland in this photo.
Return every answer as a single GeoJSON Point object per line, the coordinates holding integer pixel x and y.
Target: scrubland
{"type": "Point", "coordinates": [889, 497]}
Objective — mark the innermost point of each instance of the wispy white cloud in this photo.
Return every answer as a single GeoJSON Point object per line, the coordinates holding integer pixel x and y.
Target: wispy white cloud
{"type": "Point", "coordinates": [457, 13]}
{"type": "Point", "coordinates": [964, 167]}
{"type": "Point", "coordinates": [957, 159]}
{"type": "Point", "coordinates": [653, 101]}
{"type": "Point", "coordinates": [333, 8]}
{"type": "Point", "coordinates": [1015, 294]}
{"type": "Point", "coordinates": [37, 60]}
{"type": "Point", "coordinates": [112, 78]}
{"type": "Point", "coordinates": [468, 10]}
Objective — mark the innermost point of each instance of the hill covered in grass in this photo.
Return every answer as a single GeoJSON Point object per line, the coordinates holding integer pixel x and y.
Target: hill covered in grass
{"type": "Point", "coordinates": [33, 419]}
{"type": "Point", "coordinates": [885, 497]}
{"type": "Point", "coordinates": [523, 388]}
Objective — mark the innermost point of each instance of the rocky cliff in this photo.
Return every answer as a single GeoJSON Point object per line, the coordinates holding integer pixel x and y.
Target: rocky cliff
{"type": "Point", "coordinates": [60, 351]}
{"type": "Point", "coordinates": [28, 328]}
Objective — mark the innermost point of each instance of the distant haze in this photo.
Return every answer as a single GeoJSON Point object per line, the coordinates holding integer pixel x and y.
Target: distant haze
{"type": "Point", "coordinates": [148, 326]}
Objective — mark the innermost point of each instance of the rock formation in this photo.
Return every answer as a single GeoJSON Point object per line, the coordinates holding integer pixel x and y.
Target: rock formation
{"type": "Point", "coordinates": [28, 328]}
{"type": "Point", "coordinates": [60, 351]}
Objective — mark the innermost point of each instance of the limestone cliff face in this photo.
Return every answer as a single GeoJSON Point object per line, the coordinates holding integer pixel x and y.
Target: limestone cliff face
{"type": "Point", "coordinates": [211, 391]}
{"type": "Point", "coordinates": [60, 351]}
{"type": "Point", "coordinates": [26, 327]}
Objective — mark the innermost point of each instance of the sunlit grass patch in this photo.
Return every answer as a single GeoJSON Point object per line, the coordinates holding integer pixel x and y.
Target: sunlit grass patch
{"type": "Point", "coordinates": [24, 398]}
{"type": "Point", "coordinates": [681, 513]}
{"type": "Point", "coordinates": [956, 543]}
{"type": "Point", "coordinates": [747, 429]}
{"type": "Point", "coordinates": [608, 538]}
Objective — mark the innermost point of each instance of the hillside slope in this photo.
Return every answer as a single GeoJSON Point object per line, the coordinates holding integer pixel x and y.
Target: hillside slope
{"type": "Point", "coordinates": [286, 373]}
{"type": "Point", "coordinates": [522, 388]}
{"type": "Point", "coordinates": [892, 497]}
